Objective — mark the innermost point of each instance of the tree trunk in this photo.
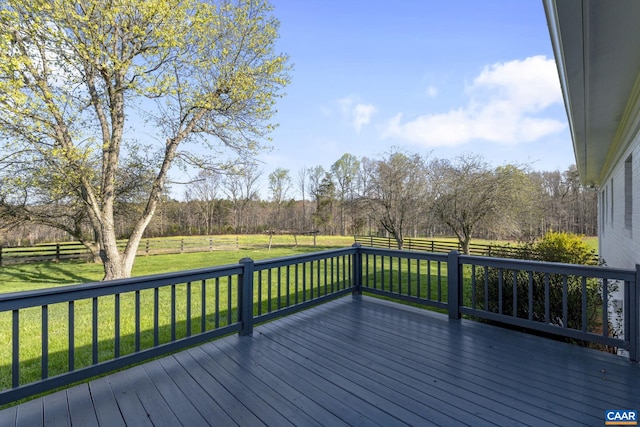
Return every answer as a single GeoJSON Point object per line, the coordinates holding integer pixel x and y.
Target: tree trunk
{"type": "Point", "coordinates": [465, 245]}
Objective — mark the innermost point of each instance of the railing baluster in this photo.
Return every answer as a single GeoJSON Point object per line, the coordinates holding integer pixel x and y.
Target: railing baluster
{"type": "Point", "coordinates": [486, 288]}
{"type": "Point", "coordinates": [44, 364]}
{"type": "Point", "coordinates": [137, 320]}
{"type": "Point", "coordinates": [279, 286]}
{"type": "Point", "coordinates": [429, 279]}
{"type": "Point", "coordinates": [515, 293]}
{"type": "Point", "coordinates": [259, 292]}
{"type": "Point", "coordinates": [440, 281]}
{"type": "Point", "coordinates": [288, 284]}
{"type": "Point", "coordinates": [311, 274]}
{"type": "Point", "coordinates": [94, 341]}
{"type": "Point", "coordinates": [584, 304]}
{"type": "Point", "coordinates": [500, 291]}
{"type": "Point", "coordinates": [71, 331]}
{"type": "Point", "coordinates": [418, 276]}
{"type": "Point", "coordinates": [390, 274]}
{"type": "Point", "coordinates": [269, 308]}
{"type": "Point", "coordinates": [474, 292]}
{"type": "Point", "coordinates": [304, 282]}
{"type": "Point", "coordinates": [229, 299]}
{"type": "Point", "coordinates": [173, 312]}
{"type": "Point", "coordinates": [399, 275]}
{"type": "Point", "coordinates": [156, 315]}
{"type": "Point", "coordinates": [217, 305]}
{"type": "Point", "coordinates": [382, 273]}
{"type": "Point", "coordinates": [116, 338]}
{"type": "Point", "coordinates": [203, 305]}
{"type": "Point", "coordinates": [547, 302]}
{"type": "Point", "coordinates": [375, 272]}
{"type": "Point", "coordinates": [331, 274]}
{"type": "Point", "coordinates": [319, 280]}
{"type": "Point", "coordinates": [530, 282]}
{"type": "Point", "coordinates": [605, 307]}
{"type": "Point", "coordinates": [565, 302]}
{"type": "Point", "coordinates": [325, 276]}
{"type": "Point", "coordinates": [409, 276]}
{"type": "Point", "coordinates": [15, 353]}
{"type": "Point", "coordinates": [188, 332]}
{"type": "Point", "coordinates": [296, 280]}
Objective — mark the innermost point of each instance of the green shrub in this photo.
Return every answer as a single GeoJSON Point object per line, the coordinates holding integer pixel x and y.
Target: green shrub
{"type": "Point", "coordinates": [554, 247]}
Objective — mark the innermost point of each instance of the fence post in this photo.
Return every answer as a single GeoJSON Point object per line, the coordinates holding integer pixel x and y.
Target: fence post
{"type": "Point", "coordinates": [357, 270]}
{"type": "Point", "coordinates": [453, 285]}
{"type": "Point", "coordinates": [57, 252]}
{"type": "Point", "coordinates": [634, 317]}
{"type": "Point", "coordinates": [245, 311]}
{"type": "Point", "coordinates": [0, 255]}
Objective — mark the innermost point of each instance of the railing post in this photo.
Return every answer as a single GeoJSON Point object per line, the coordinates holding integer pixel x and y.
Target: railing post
{"type": "Point", "coordinates": [453, 285]}
{"type": "Point", "coordinates": [357, 270]}
{"type": "Point", "coordinates": [245, 311]}
{"type": "Point", "coordinates": [634, 317]}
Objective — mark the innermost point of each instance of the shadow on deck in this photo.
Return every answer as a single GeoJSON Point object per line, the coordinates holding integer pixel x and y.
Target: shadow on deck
{"type": "Point", "coordinates": [355, 361]}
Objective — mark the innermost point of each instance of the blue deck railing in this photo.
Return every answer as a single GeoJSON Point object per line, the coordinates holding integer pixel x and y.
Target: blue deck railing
{"type": "Point", "coordinates": [51, 338]}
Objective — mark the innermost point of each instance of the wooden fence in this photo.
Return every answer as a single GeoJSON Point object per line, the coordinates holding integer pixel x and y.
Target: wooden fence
{"type": "Point", "coordinates": [428, 245]}
{"type": "Point", "coordinates": [76, 250]}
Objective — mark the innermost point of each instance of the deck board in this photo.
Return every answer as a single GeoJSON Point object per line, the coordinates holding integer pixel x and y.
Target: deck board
{"type": "Point", "coordinates": [355, 361]}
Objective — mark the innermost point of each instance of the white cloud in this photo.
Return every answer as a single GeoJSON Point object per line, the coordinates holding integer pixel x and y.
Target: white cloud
{"type": "Point", "coordinates": [432, 91]}
{"type": "Point", "coordinates": [505, 101]}
{"type": "Point", "coordinates": [357, 114]}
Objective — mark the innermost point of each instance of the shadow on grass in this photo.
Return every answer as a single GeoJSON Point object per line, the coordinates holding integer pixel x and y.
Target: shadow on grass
{"type": "Point", "coordinates": [50, 273]}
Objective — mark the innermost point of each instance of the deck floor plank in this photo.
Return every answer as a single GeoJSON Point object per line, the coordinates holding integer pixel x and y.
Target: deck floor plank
{"type": "Point", "coordinates": [464, 375]}
{"type": "Point", "coordinates": [280, 403]}
{"type": "Point", "coordinates": [56, 410]}
{"type": "Point", "coordinates": [105, 404]}
{"type": "Point", "coordinates": [297, 379]}
{"type": "Point", "coordinates": [316, 409]}
{"type": "Point", "coordinates": [131, 407]}
{"type": "Point", "coordinates": [208, 407]}
{"type": "Point", "coordinates": [405, 380]}
{"type": "Point", "coordinates": [81, 412]}
{"type": "Point", "coordinates": [30, 414]}
{"type": "Point", "coordinates": [354, 361]}
{"type": "Point", "coordinates": [158, 411]}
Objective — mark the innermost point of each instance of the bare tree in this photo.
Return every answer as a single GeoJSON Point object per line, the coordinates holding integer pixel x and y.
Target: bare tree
{"type": "Point", "coordinates": [240, 185]}
{"type": "Point", "coordinates": [398, 191]}
{"type": "Point", "coordinates": [204, 193]}
{"type": "Point", "coordinates": [303, 175]}
{"type": "Point", "coordinates": [279, 186]}
{"type": "Point", "coordinates": [471, 194]}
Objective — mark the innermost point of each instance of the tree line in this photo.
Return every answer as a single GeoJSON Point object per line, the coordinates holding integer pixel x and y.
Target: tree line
{"type": "Point", "coordinates": [397, 194]}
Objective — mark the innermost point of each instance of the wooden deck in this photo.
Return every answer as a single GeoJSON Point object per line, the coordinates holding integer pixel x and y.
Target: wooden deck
{"type": "Point", "coordinates": [354, 361]}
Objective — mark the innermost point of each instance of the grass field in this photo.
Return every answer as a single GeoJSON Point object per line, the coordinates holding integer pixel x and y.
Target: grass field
{"type": "Point", "coordinates": [15, 278]}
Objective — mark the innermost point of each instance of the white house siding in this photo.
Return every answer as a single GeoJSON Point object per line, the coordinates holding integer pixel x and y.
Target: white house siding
{"type": "Point", "coordinates": [619, 245]}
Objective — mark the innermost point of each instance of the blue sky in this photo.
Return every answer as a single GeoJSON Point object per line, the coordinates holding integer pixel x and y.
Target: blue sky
{"type": "Point", "coordinates": [443, 78]}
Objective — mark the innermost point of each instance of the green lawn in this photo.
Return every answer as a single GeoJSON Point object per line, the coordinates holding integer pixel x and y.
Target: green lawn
{"type": "Point", "coordinates": [14, 278]}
